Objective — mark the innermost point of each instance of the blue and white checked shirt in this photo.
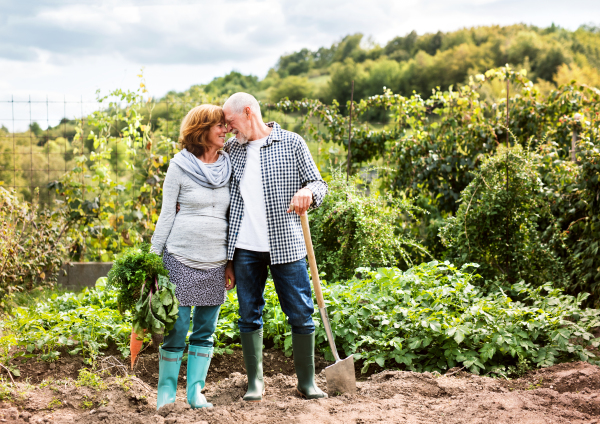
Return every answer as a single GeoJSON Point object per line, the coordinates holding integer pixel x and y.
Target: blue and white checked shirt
{"type": "Point", "coordinates": [286, 167]}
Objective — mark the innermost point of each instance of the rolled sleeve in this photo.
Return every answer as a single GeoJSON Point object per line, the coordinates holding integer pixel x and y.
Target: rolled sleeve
{"type": "Point", "coordinates": [310, 175]}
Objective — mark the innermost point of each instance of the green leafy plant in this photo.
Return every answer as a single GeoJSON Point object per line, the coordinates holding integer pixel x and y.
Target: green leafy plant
{"type": "Point", "coordinates": [352, 230]}
{"type": "Point", "coordinates": [112, 204]}
{"type": "Point", "coordinates": [139, 273]}
{"type": "Point", "coordinates": [80, 324]}
{"type": "Point", "coordinates": [32, 246]}
{"type": "Point", "coordinates": [54, 403]}
{"type": "Point", "coordinates": [572, 191]}
{"type": "Point", "coordinates": [88, 378]}
{"type": "Point", "coordinates": [157, 309]}
{"type": "Point", "coordinates": [433, 317]}
{"type": "Point", "coordinates": [131, 271]}
{"type": "Point", "coordinates": [504, 223]}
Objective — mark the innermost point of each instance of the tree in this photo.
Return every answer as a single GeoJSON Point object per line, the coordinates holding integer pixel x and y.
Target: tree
{"type": "Point", "coordinates": [292, 87]}
{"type": "Point", "coordinates": [35, 128]}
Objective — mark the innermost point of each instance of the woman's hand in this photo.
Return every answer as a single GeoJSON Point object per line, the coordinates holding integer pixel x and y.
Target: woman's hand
{"type": "Point", "coordinates": [229, 276]}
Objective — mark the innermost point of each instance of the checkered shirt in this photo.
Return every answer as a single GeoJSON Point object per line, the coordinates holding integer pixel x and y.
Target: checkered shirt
{"type": "Point", "coordinates": [286, 167]}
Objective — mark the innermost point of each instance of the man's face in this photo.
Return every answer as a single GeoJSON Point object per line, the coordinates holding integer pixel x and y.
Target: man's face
{"type": "Point", "coordinates": [238, 124]}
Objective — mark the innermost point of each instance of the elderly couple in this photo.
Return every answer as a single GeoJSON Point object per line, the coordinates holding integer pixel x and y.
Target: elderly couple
{"type": "Point", "coordinates": [234, 222]}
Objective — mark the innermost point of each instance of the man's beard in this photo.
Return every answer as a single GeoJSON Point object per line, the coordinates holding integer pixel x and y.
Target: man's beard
{"type": "Point", "coordinates": [240, 137]}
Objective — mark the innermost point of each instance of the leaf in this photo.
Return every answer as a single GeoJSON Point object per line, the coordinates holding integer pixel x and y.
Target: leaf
{"type": "Point", "coordinates": [414, 344]}
{"type": "Point", "coordinates": [487, 351]}
{"type": "Point", "coordinates": [287, 343]}
{"type": "Point", "coordinates": [435, 326]}
{"type": "Point", "coordinates": [166, 297]}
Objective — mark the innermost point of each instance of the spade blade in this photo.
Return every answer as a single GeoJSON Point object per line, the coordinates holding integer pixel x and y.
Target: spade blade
{"type": "Point", "coordinates": [340, 377]}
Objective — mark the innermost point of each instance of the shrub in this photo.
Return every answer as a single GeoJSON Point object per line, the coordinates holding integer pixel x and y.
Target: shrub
{"type": "Point", "coordinates": [572, 191]}
{"type": "Point", "coordinates": [505, 225]}
{"type": "Point", "coordinates": [31, 245]}
{"type": "Point", "coordinates": [433, 317]}
{"type": "Point", "coordinates": [352, 230]}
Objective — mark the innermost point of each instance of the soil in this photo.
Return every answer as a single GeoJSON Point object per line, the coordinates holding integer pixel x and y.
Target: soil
{"type": "Point", "coordinates": [565, 393]}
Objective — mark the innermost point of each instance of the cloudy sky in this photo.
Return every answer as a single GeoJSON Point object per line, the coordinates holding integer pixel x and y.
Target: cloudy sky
{"type": "Point", "coordinates": [68, 49]}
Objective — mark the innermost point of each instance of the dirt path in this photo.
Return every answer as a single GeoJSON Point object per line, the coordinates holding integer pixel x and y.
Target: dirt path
{"type": "Point", "coordinates": [566, 393]}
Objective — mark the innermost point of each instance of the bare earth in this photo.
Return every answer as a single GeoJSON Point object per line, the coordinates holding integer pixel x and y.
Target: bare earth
{"type": "Point", "coordinates": [566, 393]}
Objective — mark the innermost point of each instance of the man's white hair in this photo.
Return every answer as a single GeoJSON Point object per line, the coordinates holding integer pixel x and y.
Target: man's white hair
{"type": "Point", "coordinates": [238, 101]}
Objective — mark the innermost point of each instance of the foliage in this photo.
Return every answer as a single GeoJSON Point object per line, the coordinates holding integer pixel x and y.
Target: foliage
{"type": "Point", "coordinates": [132, 270]}
{"type": "Point", "coordinates": [31, 245]}
{"type": "Point", "coordinates": [572, 191]}
{"type": "Point", "coordinates": [111, 198]}
{"type": "Point", "coordinates": [429, 318]}
{"type": "Point", "coordinates": [231, 83]}
{"type": "Point", "coordinates": [584, 235]}
{"type": "Point", "coordinates": [157, 309]}
{"type": "Point", "coordinates": [433, 148]}
{"type": "Point", "coordinates": [433, 317]}
{"type": "Point", "coordinates": [89, 379]}
{"type": "Point", "coordinates": [81, 324]}
{"type": "Point", "coordinates": [504, 223]}
{"type": "Point", "coordinates": [292, 87]}
{"type": "Point", "coordinates": [352, 230]}
{"type": "Point", "coordinates": [423, 62]}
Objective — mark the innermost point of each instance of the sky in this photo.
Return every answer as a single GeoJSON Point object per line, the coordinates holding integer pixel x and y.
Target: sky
{"type": "Point", "coordinates": [66, 49]}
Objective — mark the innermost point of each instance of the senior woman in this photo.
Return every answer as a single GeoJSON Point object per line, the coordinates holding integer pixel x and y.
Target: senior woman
{"type": "Point", "coordinates": [193, 244]}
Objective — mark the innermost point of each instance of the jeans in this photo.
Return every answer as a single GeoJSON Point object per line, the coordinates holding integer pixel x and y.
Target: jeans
{"type": "Point", "coordinates": [291, 283]}
{"type": "Point", "coordinates": [204, 324]}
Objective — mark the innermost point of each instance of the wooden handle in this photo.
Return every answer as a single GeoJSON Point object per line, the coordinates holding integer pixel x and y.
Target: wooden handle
{"type": "Point", "coordinates": [312, 261]}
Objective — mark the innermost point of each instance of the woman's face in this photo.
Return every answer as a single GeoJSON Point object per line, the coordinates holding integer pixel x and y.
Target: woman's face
{"type": "Point", "coordinates": [216, 136]}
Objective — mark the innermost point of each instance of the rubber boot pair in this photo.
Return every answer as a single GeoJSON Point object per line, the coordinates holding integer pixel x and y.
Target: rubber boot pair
{"type": "Point", "coordinates": [168, 372]}
{"type": "Point", "coordinates": [304, 362]}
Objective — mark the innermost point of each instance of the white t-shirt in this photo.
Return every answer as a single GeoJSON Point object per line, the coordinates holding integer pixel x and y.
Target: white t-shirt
{"type": "Point", "coordinates": [253, 234]}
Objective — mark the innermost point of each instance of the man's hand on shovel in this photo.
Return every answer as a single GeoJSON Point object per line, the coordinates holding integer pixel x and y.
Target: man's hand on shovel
{"type": "Point", "coordinates": [301, 201]}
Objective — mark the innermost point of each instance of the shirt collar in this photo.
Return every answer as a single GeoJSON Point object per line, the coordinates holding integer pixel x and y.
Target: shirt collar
{"type": "Point", "coordinates": [276, 133]}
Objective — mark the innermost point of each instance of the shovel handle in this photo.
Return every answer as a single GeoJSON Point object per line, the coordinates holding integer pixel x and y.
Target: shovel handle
{"type": "Point", "coordinates": [312, 262]}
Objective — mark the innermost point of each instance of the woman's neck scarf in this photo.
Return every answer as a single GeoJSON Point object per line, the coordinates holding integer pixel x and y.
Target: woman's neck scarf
{"type": "Point", "coordinates": [212, 175]}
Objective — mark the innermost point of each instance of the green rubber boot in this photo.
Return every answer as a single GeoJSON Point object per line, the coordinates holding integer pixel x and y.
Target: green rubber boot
{"type": "Point", "coordinates": [304, 362]}
{"type": "Point", "coordinates": [168, 372]}
{"type": "Point", "coordinates": [197, 368]}
{"type": "Point", "coordinates": [252, 345]}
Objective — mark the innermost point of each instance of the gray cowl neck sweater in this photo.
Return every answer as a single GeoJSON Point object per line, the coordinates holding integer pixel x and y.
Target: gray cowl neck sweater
{"type": "Point", "coordinates": [214, 175]}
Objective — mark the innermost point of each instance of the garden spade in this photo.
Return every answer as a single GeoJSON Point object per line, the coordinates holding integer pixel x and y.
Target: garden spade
{"type": "Point", "coordinates": [340, 376]}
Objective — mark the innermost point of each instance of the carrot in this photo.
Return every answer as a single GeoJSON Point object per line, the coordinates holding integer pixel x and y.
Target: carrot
{"type": "Point", "coordinates": [135, 346]}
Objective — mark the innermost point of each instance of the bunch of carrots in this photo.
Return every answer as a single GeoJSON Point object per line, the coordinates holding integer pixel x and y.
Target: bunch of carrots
{"type": "Point", "coordinates": [145, 290]}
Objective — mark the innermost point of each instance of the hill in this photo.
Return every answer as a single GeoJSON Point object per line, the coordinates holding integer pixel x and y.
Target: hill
{"type": "Point", "coordinates": [552, 56]}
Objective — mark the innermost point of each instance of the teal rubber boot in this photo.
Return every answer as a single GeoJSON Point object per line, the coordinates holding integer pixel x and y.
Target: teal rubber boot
{"type": "Point", "coordinates": [197, 368]}
{"type": "Point", "coordinates": [304, 362]}
{"type": "Point", "coordinates": [252, 346]}
{"type": "Point", "coordinates": [168, 372]}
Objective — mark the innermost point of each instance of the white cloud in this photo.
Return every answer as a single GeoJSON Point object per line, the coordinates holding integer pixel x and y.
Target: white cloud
{"type": "Point", "coordinates": [73, 47]}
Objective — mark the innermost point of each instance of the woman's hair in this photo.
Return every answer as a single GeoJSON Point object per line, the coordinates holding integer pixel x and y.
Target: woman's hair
{"type": "Point", "coordinates": [196, 125]}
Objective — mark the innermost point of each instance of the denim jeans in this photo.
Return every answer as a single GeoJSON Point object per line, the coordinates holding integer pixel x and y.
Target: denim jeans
{"type": "Point", "coordinates": [204, 324]}
{"type": "Point", "coordinates": [291, 283]}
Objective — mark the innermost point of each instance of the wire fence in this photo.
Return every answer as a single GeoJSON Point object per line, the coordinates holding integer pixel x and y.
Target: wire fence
{"type": "Point", "coordinates": [36, 137]}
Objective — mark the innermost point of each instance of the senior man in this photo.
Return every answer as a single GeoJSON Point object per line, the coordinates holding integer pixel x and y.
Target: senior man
{"type": "Point", "coordinates": [272, 168]}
